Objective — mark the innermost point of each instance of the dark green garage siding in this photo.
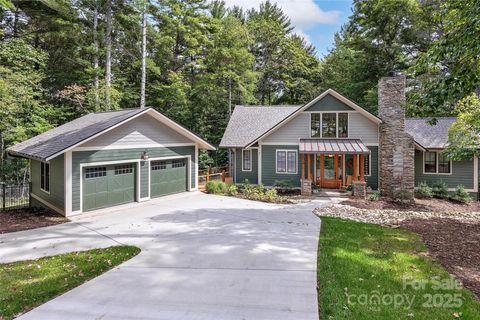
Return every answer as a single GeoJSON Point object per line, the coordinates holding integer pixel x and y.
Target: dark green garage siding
{"type": "Point", "coordinates": [269, 175]}
{"type": "Point", "coordinates": [251, 176]}
{"type": "Point", "coordinates": [56, 195]}
{"type": "Point", "coordinates": [79, 157]}
{"type": "Point", "coordinates": [462, 173]}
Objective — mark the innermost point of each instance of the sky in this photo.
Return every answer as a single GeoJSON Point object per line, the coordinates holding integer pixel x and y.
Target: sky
{"type": "Point", "coordinates": [315, 20]}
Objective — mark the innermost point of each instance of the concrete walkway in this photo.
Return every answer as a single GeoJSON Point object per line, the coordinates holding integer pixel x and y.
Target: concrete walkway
{"type": "Point", "coordinates": [203, 257]}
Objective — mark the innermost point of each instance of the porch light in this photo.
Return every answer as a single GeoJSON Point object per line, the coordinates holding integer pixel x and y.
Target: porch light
{"type": "Point", "coordinates": [145, 155]}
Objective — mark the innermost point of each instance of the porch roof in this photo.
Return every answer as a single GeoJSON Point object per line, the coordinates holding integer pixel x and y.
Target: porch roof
{"type": "Point", "coordinates": [333, 146]}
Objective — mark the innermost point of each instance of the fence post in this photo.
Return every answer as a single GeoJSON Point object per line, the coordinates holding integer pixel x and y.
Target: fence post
{"type": "Point", "coordinates": [207, 175]}
{"type": "Point", "coordinates": [4, 196]}
{"type": "Point", "coordinates": [223, 175]}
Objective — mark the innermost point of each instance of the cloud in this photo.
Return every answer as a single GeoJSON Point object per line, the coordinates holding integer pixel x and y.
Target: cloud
{"type": "Point", "coordinates": [304, 14]}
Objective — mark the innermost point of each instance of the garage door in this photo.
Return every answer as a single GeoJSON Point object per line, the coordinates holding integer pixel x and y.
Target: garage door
{"type": "Point", "coordinates": [167, 177]}
{"type": "Point", "coordinates": [106, 186]}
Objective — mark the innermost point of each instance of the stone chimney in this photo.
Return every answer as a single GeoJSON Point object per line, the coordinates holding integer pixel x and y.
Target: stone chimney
{"type": "Point", "coordinates": [397, 148]}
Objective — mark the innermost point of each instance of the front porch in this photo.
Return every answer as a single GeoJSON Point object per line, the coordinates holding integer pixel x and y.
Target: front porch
{"type": "Point", "coordinates": [333, 163]}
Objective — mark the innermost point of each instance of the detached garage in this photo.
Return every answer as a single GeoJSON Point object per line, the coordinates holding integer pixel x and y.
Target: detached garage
{"type": "Point", "coordinates": [110, 158]}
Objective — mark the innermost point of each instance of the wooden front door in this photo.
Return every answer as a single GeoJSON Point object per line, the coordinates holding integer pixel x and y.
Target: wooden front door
{"type": "Point", "coordinates": [329, 167]}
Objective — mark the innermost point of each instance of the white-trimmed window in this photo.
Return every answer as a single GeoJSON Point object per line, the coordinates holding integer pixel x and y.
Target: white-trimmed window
{"type": "Point", "coordinates": [45, 176]}
{"type": "Point", "coordinates": [247, 160]}
{"type": "Point", "coordinates": [435, 162]}
{"type": "Point", "coordinates": [286, 161]}
{"type": "Point", "coordinates": [329, 124]}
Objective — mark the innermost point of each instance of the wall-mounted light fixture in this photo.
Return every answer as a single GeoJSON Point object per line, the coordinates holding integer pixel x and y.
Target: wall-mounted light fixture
{"type": "Point", "coordinates": [145, 155]}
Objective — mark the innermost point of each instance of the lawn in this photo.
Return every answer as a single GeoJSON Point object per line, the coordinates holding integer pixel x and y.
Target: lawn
{"type": "Point", "coordinates": [370, 272]}
{"type": "Point", "coordinates": [27, 284]}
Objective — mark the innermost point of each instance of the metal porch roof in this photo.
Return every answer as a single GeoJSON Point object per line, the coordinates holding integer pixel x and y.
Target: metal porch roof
{"type": "Point", "coordinates": [332, 146]}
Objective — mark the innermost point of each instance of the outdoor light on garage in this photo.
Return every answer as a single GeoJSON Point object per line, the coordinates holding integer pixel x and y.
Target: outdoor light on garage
{"type": "Point", "coordinates": [145, 155]}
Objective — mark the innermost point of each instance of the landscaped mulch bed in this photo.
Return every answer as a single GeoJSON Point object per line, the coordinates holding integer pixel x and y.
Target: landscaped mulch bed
{"type": "Point", "coordinates": [29, 218]}
{"type": "Point", "coordinates": [455, 244]}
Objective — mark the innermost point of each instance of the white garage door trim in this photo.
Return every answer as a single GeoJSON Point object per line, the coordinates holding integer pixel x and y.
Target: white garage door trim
{"type": "Point", "coordinates": [106, 163]}
{"type": "Point", "coordinates": [189, 171]}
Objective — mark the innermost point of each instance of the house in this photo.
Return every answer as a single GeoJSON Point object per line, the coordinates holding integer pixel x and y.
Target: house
{"type": "Point", "coordinates": [331, 142]}
{"type": "Point", "coordinates": [110, 158]}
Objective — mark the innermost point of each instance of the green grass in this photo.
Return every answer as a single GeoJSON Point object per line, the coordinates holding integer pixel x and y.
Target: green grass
{"type": "Point", "coordinates": [358, 260]}
{"type": "Point", "coordinates": [27, 284]}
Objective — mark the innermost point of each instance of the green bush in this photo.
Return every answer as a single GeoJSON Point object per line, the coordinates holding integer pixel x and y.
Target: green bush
{"type": "Point", "coordinates": [270, 195]}
{"type": "Point", "coordinates": [461, 195]}
{"type": "Point", "coordinates": [402, 196]}
{"type": "Point", "coordinates": [217, 187]}
{"type": "Point", "coordinates": [440, 189]}
{"type": "Point", "coordinates": [373, 196]}
{"type": "Point", "coordinates": [231, 190]}
{"type": "Point", "coordinates": [424, 191]}
{"type": "Point", "coordinates": [283, 184]}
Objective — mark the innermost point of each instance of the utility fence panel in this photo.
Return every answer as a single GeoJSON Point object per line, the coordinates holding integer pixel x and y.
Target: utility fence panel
{"type": "Point", "coordinates": [213, 174]}
{"type": "Point", "coordinates": [14, 196]}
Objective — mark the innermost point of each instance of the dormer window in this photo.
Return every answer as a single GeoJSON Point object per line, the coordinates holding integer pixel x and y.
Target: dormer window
{"type": "Point", "coordinates": [329, 125]}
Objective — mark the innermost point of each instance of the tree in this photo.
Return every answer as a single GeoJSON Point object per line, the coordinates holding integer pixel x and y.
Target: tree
{"type": "Point", "coordinates": [108, 58]}
{"type": "Point", "coordinates": [450, 70]}
{"type": "Point", "coordinates": [464, 134]}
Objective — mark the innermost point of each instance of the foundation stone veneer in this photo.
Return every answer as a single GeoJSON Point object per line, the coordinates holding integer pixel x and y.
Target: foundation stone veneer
{"type": "Point", "coordinates": [397, 148]}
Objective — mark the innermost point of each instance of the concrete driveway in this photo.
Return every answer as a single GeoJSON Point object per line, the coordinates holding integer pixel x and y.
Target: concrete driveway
{"type": "Point", "coordinates": [203, 257]}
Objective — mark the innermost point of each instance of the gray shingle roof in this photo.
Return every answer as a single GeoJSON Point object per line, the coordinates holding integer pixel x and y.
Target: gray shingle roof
{"type": "Point", "coordinates": [250, 122]}
{"type": "Point", "coordinates": [429, 136]}
{"type": "Point", "coordinates": [60, 138]}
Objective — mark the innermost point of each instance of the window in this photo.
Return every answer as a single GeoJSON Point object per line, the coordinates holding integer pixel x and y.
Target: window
{"type": "Point", "coordinates": [178, 163]}
{"type": "Point", "coordinates": [286, 161]}
{"type": "Point", "coordinates": [366, 165]}
{"type": "Point", "coordinates": [45, 176]}
{"type": "Point", "coordinates": [95, 172]}
{"type": "Point", "coordinates": [430, 162]}
{"type": "Point", "coordinates": [444, 164]}
{"type": "Point", "coordinates": [123, 169]}
{"type": "Point", "coordinates": [329, 125]}
{"type": "Point", "coordinates": [343, 125]}
{"type": "Point", "coordinates": [315, 125]}
{"type": "Point", "coordinates": [159, 165]}
{"type": "Point", "coordinates": [246, 160]}
{"type": "Point", "coordinates": [436, 162]}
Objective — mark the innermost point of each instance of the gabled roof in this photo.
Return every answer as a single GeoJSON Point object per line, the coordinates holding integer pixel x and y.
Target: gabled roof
{"type": "Point", "coordinates": [427, 135]}
{"type": "Point", "coordinates": [58, 140]}
{"type": "Point", "coordinates": [250, 122]}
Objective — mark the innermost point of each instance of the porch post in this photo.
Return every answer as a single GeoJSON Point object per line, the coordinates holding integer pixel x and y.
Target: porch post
{"type": "Point", "coordinates": [314, 169]}
{"type": "Point", "coordinates": [362, 167]}
{"type": "Point", "coordinates": [355, 167]}
{"type": "Point", "coordinates": [309, 169]}
{"type": "Point", "coordinates": [335, 167]}
{"type": "Point", "coordinates": [322, 165]}
{"type": "Point", "coordinates": [343, 169]}
{"type": "Point", "coordinates": [303, 167]}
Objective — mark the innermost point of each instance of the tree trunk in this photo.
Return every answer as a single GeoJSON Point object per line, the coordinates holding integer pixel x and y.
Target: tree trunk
{"type": "Point", "coordinates": [15, 22]}
{"type": "Point", "coordinates": [95, 57]}
{"type": "Point", "coordinates": [144, 55]}
{"type": "Point", "coordinates": [108, 58]}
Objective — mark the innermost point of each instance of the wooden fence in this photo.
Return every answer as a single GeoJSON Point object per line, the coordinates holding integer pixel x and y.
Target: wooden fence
{"type": "Point", "coordinates": [14, 196]}
{"type": "Point", "coordinates": [213, 174]}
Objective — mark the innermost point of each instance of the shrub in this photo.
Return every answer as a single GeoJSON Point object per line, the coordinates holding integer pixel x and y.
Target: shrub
{"type": "Point", "coordinates": [440, 190]}
{"type": "Point", "coordinates": [283, 184]}
{"type": "Point", "coordinates": [424, 191]}
{"type": "Point", "coordinates": [216, 187]}
{"type": "Point", "coordinates": [232, 190]}
{"type": "Point", "coordinates": [270, 195]}
{"type": "Point", "coordinates": [461, 195]}
{"type": "Point", "coordinates": [402, 196]}
{"type": "Point", "coordinates": [373, 196]}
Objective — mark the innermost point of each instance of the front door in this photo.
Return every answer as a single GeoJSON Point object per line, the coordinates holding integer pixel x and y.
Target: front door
{"type": "Point", "coordinates": [329, 167]}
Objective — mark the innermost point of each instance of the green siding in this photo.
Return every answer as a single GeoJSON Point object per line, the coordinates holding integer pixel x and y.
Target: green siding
{"type": "Point", "coordinates": [462, 173]}
{"type": "Point", "coordinates": [372, 180]}
{"type": "Point", "coordinates": [251, 176]}
{"type": "Point", "coordinates": [269, 175]}
{"type": "Point", "coordinates": [56, 195]}
{"type": "Point", "coordinates": [127, 155]}
{"type": "Point", "coordinates": [329, 103]}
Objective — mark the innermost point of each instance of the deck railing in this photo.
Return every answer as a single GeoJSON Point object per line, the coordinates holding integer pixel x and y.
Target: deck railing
{"type": "Point", "coordinates": [14, 196]}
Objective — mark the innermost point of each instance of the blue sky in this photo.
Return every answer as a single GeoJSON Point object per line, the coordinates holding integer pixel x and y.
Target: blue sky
{"type": "Point", "coordinates": [316, 20]}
